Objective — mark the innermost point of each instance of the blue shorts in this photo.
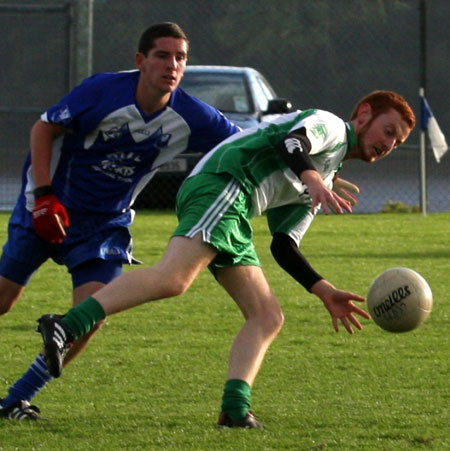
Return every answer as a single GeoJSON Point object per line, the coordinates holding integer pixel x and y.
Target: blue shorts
{"type": "Point", "coordinates": [95, 248]}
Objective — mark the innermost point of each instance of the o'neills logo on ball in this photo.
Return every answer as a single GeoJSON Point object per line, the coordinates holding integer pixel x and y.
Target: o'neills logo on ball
{"type": "Point", "coordinates": [392, 300]}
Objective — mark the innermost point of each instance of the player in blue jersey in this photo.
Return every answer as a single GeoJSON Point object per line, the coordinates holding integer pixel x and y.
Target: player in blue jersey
{"type": "Point", "coordinates": [91, 154]}
{"type": "Point", "coordinates": [285, 169]}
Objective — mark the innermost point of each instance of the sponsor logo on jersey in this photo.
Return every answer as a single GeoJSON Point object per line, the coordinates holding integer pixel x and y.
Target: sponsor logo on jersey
{"type": "Point", "coordinates": [319, 130]}
{"type": "Point", "coordinates": [122, 165]}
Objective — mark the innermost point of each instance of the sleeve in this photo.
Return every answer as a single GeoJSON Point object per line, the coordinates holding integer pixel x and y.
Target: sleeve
{"type": "Point", "coordinates": [289, 257]}
{"type": "Point", "coordinates": [288, 225]}
{"type": "Point", "coordinates": [294, 149]}
{"type": "Point", "coordinates": [82, 98]}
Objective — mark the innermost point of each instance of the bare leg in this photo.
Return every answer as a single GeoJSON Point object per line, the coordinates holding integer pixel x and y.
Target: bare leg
{"type": "Point", "coordinates": [248, 286]}
{"type": "Point", "coordinates": [183, 260]}
{"type": "Point", "coordinates": [10, 293]}
{"type": "Point", "coordinates": [80, 294]}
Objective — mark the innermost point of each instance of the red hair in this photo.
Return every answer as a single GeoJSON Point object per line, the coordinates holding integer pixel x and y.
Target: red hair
{"type": "Point", "coordinates": [382, 101]}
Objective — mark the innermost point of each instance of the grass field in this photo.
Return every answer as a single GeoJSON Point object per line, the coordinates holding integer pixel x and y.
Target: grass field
{"type": "Point", "coordinates": [153, 378]}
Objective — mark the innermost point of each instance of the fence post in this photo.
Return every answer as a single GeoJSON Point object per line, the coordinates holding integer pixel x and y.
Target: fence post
{"type": "Point", "coordinates": [423, 81]}
{"type": "Point", "coordinates": [82, 40]}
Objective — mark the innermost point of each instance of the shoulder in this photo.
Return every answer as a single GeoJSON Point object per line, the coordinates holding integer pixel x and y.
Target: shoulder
{"type": "Point", "coordinates": [198, 114]}
{"type": "Point", "coordinates": [321, 124]}
{"type": "Point", "coordinates": [107, 88]}
{"type": "Point", "coordinates": [320, 116]}
{"type": "Point", "coordinates": [105, 80]}
{"type": "Point", "coordinates": [183, 102]}
{"type": "Point", "coordinates": [94, 98]}
{"type": "Point", "coordinates": [328, 117]}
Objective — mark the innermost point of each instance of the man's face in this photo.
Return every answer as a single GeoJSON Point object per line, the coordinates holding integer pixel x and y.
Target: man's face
{"type": "Point", "coordinates": [379, 136]}
{"type": "Point", "coordinates": [163, 67]}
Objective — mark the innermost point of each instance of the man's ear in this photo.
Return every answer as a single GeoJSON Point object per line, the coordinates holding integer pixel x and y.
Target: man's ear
{"type": "Point", "coordinates": [138, 58]}
{"type": "Point", "coordinates": [364, 114]}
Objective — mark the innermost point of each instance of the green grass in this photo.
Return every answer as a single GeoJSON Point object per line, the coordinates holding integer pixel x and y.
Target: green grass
{"type": "Point", "coordinates": [153, 378]}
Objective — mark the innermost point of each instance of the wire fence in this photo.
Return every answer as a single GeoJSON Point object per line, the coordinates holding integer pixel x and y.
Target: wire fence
{"type": "Point", "coordinates": [317, 53]}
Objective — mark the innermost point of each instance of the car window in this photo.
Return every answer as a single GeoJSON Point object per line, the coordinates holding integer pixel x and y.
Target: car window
{"type": "Point", "coordinates": [263, 92]}
{"type": "Point", "coordinates": [226, 92]}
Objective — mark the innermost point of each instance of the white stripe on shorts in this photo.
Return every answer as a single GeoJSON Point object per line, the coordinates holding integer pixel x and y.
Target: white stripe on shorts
{"type": "Point", "coordinates": [216, 211]}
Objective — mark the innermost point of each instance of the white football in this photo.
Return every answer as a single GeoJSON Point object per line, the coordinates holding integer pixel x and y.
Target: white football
{"type": "Point", "coordinates": [399, 300]}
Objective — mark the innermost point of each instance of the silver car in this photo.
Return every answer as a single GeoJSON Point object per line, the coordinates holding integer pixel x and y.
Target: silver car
{"type": "Point", "coordinates": [240, 93]}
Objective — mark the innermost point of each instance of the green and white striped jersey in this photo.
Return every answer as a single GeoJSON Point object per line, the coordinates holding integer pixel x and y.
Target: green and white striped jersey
{"type": "Point", "coordinates": [253, 159]}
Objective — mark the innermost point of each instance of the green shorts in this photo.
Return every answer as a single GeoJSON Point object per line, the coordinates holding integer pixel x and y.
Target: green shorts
{"type": "Point", "coordinates": [217, 206]}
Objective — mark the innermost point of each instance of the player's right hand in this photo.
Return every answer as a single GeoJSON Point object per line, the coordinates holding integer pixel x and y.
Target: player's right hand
{"type": "Point", "coordinates": [50, 219]}
{"type": "Point", "coordinates": [321, 194]}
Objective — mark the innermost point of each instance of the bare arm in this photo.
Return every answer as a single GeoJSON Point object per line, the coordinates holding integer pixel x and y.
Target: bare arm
{"type": "Point", "coordinates": [42, 137]}
{"type": "Point", "coordinates": [50, 218]}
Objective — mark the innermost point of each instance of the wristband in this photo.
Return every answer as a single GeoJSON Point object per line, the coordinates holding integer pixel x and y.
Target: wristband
{"type": "Point", "coordinates": [44, 190]}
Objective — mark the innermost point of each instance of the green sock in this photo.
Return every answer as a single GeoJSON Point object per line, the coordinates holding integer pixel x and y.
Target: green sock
{"type": "Point", "coordinates": [236, 399]}
{"type": "Point", "coordinates": [82, 318]}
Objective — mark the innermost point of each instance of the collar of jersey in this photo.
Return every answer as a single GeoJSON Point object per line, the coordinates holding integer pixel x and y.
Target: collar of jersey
{"type": "Point", "coordinates": [351, 136]}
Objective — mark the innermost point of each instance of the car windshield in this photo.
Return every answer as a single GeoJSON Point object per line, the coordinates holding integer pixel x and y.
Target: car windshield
{"type": "Point", "coordinates": [226, 92]}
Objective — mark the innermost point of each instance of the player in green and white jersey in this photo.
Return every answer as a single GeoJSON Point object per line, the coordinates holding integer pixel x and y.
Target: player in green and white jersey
{"type": "Point", "coordinates": [286, 169]}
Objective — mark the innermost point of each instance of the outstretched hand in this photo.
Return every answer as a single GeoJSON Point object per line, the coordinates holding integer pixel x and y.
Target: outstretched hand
{"type": "Point", "coordinates": [322, 195]}
{"type": "Point", "coordinates": [340, 305]}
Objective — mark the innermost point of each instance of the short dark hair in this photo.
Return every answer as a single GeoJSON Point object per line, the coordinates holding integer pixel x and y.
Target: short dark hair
{"type": "Point", "coordinates": [159, 30]}
{"type": "Point", "coordinates": [382, 101]}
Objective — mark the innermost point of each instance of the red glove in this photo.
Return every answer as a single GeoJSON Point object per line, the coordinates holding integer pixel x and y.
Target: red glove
{"type": "Point", "coordinates": [50, 217]}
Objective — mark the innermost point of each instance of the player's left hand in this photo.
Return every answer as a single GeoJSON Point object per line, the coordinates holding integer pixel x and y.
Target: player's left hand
{"type": "Point", "coordinates": [340, 305]}
{"type": "Point", "coordinates": [344, 189]}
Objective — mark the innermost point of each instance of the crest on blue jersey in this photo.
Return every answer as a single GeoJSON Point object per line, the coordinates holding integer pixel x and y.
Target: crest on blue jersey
{"type": "Point", "coordinates": [115, 132]}
{"type": "Point", "coordinates": [157, 140]}
{"type": "Point", "coordinates": [160, 139]}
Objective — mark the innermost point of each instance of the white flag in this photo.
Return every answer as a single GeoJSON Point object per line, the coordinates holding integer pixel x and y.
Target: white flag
{"type": "Point", "coordinates": [430, 125]}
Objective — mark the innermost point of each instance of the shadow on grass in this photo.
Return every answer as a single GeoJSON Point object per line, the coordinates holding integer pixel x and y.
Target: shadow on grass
{"type": "Point", "coordinates": [444, 254]}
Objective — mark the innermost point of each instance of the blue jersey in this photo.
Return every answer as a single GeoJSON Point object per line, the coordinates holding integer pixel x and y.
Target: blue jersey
{"type": "Point", "coordinates": [112, 148]}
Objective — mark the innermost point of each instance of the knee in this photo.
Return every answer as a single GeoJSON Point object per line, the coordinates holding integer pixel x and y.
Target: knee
{"type": "Point", "coordinates": [175, 287]}
{"type": "Point", "coordinates": [272, 321]}
{"type": "Point", "coordinates": [277, 321]}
